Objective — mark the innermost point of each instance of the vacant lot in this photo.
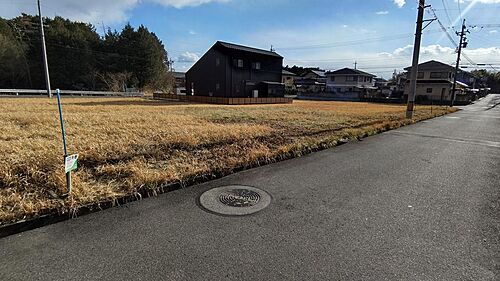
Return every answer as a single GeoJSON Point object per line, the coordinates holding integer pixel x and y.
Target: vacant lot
{"type": "Point", "coordinates": [132, 146]}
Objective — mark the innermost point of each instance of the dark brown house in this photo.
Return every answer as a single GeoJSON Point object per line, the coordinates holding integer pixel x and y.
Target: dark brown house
{"type": "Point", "coordinates": [229, 70]}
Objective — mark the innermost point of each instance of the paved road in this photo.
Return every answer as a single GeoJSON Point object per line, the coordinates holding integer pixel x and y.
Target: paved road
{"type": "Point", "coordinates": [418, 203]}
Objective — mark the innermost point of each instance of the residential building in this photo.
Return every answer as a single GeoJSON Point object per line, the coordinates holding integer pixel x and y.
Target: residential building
{"type": "Point", "coordinates": [380, 82]}
{"type": "Point", "coordinates": [435, 82]}
{"type": "Point", "coordinates": [311, 82]}
{"type": "Point", "coordinates": [350, 83]}
{"type": "Point", "coordinates": [316, 74]}
{"type": "Point", "coordinates": [383, 89]}
{"type": "Point", "coordinates": [180, 83]}
{"type": "Point", "coordinates": [288, 79]}
{"type": "Point", "coordinates": [230, 70]}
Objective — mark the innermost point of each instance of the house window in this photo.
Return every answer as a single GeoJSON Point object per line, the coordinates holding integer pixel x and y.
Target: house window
{"type": "Point", "coordinates": [429, 90]}
{"type": "Point", "coordinates": [351, 78]}
{"type": "Point", "coordinates": [256, 65]}
{"type": "Point", "coordinates": [217, 86]}
{"type": "Point", "coordinates": [217, 61]}
{"type": "Point", "coordinates": [238, 63]}
{"type": "Point", "coordinates": [289, 78]}
{"type": "Point", "coordinates": [420, 75]}
{"type": "Point", "coordinates": [332, 78]}
{"type": "Point", "coordinates": [438, 75]}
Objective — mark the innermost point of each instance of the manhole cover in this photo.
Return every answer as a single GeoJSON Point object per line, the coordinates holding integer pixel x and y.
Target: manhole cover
{"type": "Point", "coordinates": [235, 200]}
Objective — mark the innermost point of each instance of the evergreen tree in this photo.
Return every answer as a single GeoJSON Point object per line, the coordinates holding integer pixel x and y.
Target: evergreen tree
{"type": "Point", "coordinates": [79, 58]}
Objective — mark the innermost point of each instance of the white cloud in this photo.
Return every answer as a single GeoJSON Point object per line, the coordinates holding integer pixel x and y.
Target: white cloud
{"type": "Point", "coordinates": [188, 57]}
{"type": "Point", "coordinates": [382, 12]}
{"type": "Point", "coordinates": [93, 11]}
{"type": "Point", "coordinates": [444, 54]}
{"type": "Point", "coordinates": [493, 31]}
{"type": "Point", "coordinates": [185, 3]}
{"type": "Point", "coordinates": [483, 1]}
{"type": "Point", "coordinates": [400, 3]}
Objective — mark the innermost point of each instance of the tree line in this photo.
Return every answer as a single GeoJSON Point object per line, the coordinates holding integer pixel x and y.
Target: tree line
{"type": "Point", "coordinates": [79, 58]}
{"type": "Point", "coordinates": [490, 78]}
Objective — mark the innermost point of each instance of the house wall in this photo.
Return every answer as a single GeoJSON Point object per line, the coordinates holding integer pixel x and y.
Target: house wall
{"type": "Point", "coordinates": [288, 80]}
{"type": "Point", "coordinates": [205, 74]}
{"type": "Point", "coordinates": [428, 74]}
{"type": "Point", "coordinates": [341, 82]}
{"type": "Point", "coordinates": [241, 82]}
{"type": "Point", "coordinates": [440, 92]}
{"type": "Point", "coordinates": [217, 74]}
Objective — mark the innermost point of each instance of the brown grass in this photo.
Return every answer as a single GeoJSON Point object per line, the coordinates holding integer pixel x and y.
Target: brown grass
{"type": "Point", "coordinates": [128, 146]}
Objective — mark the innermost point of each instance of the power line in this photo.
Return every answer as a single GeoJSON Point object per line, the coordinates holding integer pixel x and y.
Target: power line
{"type": "Point", "coordinates": [442, 27]}
{"type": "Point", "coordinates": [352, 42]}
{"type": "Point", "coordinates": [449, 36]}
{"type": "Point", "coordinates": [446, 11]}
{"type": "Point", "coordinates": [459, 9]}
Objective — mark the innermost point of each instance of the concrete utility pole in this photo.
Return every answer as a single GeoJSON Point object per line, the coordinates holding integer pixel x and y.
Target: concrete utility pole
{"type": "Point", "coordinates": [44, 52]}
{"type": "Point", "coordinates": [414, 66]}
{"type": "Point", "coordinates": [457, 67]}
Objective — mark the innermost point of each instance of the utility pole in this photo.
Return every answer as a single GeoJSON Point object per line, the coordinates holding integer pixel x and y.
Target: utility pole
{"type": "Point", "coordinates": [44, 52]}
{"type": "Point", "coordinates": [414, 66]}
{"type": "Point", "coordinates": [463, 44]}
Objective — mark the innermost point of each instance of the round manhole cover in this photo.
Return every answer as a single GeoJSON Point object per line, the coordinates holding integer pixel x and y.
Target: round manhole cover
{"type": "Point", "coordinates": [235, 200]}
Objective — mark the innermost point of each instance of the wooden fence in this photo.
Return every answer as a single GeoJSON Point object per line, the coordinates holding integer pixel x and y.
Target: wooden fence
{"type": "Point", "coordinates": [227, 101]}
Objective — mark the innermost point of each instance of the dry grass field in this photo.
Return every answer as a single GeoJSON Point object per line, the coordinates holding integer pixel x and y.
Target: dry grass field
{"type": "Point", "coordinates": [132, 146]}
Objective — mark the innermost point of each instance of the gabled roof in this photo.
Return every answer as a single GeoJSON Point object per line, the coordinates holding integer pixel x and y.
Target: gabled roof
{"type": "Point", "coordinates": [432, 64]}
{"type": "Point", "coordinates": [178, 74]}
{"type": "Point", "coordinates": [380, 80]}
{"type": "Point", "coordinates": [246, 49]}
{"type": "Point", "coordinates": [320, 73]}
{"type": "Point", "coordinates": [288, 73]}
{"type": "Point", "coordinates": [350, 71]}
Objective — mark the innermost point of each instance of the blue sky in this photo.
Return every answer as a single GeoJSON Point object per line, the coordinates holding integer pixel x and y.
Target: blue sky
{"type": "Point", "coordinates": [331, 34]}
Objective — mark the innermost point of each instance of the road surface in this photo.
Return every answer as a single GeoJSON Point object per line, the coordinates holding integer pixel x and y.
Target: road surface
{"type": "Point", "coordinates": [418, 203]}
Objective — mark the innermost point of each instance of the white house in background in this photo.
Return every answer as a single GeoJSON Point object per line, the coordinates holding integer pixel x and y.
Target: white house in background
{"type": "Point", "coordinates": [435, 82]}
{"type": "Point", "coordinates": [350, 82]}
{"type": "Point", "coordinates": [288, 78]}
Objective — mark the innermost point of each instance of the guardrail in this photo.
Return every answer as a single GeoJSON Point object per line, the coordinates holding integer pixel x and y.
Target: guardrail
{"type": "Point", "coordinates": [18, 92]}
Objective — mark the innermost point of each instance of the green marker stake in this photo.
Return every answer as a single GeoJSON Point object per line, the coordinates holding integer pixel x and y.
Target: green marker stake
{"type": "Point", "coordinates": [70, 161]}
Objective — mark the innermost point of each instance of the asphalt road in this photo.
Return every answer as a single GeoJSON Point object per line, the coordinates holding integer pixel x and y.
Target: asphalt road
{"type": "Point", "coordinates": [418, 203]}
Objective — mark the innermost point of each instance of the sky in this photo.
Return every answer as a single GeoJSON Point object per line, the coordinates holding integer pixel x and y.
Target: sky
{"type": "Point", "coordinates": [330, 34]}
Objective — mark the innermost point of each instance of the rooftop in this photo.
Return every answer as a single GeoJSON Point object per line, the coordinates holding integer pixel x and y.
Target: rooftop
{"type": "Point", "coordinates": [178, 74]}
{"type": "Point", "coordinates": [350, 71]}
{"type": "Point", "coordinates": [320, 73]}
{"type": "Point", "coordinates": [432, 64]}
{"type": "Point", "coordinates": [247, 49]}
{"type": "Point", "coordinates": [288, 73]}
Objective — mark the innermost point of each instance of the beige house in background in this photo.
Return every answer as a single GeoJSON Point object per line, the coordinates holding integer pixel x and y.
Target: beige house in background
{"type": "Point", "coordinates": [350, 83]}
{"type": "Point", "coordinates": [434, 82]}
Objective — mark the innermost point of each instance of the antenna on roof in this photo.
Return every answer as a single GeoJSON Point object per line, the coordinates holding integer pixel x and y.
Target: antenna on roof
{"type": "Point", "coordinates": [355, 65]}
{"type": "Point", "coordinates": [272, 49]}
